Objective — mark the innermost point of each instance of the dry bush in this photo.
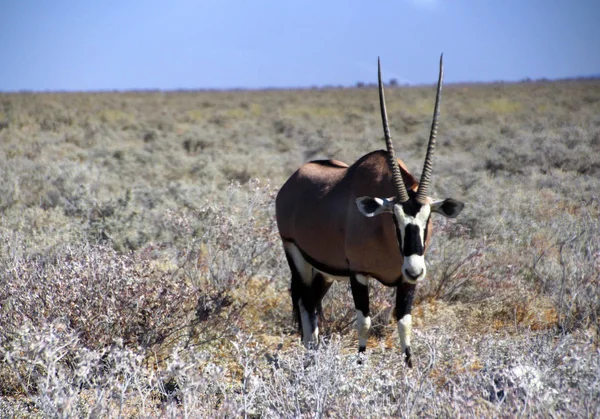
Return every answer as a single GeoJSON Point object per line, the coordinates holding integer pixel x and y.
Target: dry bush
{"type": "Point", "coordinates": [534, 374]}
{"type": "Point", "coordinates": [62, 378]}
{"type": "Point", "coordinates": [569, 270]}
{"type": "Point", "coordinates": [104, 295]}
{"type": "Point", "coordinates": [237, 243]}
{"type": "Point", "coordinates": [142, 297]}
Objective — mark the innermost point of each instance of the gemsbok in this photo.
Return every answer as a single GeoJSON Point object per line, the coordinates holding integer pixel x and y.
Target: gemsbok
{"type": "Point", "coordinates": [368, 220]}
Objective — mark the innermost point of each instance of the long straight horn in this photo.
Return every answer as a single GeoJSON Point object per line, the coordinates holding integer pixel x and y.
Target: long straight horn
{"type": "Point", "coordinates": [401, 193]}
{"type": "Point", "coordinates": [427, 166]}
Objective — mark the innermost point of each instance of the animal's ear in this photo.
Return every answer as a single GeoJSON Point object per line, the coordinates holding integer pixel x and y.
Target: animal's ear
{"type": "Point", "coordinates": [448, 207]}
{"type": "Point", "coordinates": [369, 206]}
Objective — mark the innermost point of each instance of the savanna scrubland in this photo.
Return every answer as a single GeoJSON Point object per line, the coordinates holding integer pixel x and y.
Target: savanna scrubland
{"type": "Point", "coordinates": [142, 273]}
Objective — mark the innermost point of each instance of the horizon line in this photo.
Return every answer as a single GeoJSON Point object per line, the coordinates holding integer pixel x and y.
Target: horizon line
{"type": "Point", "coordinates": [357, 85]}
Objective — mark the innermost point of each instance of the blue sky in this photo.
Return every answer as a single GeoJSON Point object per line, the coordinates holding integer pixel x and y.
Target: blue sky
{"type": "Point", "coordinates": [112, 44]}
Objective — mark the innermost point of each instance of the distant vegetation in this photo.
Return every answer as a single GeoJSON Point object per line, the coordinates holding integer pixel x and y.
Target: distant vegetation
{"type": "Point", "coordinates": [142, 274]}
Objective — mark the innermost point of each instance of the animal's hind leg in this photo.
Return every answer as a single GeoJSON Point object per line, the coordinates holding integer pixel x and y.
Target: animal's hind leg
{"type": "Point", "coordinates": [320, 286]}
{"type": "Point", "coordinates": [303, 295]}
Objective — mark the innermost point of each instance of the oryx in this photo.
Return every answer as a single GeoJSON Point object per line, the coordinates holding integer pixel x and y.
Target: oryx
{"type": "Point", "coordinates": [368, 220]}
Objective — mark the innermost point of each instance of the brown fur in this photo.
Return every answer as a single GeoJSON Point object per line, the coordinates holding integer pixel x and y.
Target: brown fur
{"type": "Point", "coordinates": [316, 210]}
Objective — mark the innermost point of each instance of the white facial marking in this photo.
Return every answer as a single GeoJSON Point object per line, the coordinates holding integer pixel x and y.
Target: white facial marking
{"type": "Point", "coordinates": [405, 331]}
{"type": "Point", "coordinates": [413, 264]}
{"type": "Point", "coordinates": [309, 335]}
{"type": "Point", "coordinates": [383, 205]}
{"type": "Point", "coordinates": [419, 220]}
{"type": "Point", "coordinates": [423, 216]}
{"type": "Point", "coordinates": [401, 217]}
{"type": "Point", "coordinates": [363, 324]}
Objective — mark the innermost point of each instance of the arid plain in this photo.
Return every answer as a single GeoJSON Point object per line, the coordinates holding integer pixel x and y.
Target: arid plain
{"type": "Point", "coordinates": [142, 273]}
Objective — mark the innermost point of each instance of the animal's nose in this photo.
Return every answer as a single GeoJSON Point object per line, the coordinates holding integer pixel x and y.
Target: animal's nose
{"type": "Point", "coordinates": [414, 274]}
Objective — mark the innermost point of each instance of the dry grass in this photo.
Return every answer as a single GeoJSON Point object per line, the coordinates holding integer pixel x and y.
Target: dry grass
{"type": "Point", "coordinates": [142, 273]}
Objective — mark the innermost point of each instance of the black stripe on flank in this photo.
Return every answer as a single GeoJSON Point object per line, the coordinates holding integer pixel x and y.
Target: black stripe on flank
{"type": "Point", "coordinates": [340, 271]}
{"type": "Point", "coordinates": [321, 266]}
{"type": "Point", "coordinates": [412, 240]}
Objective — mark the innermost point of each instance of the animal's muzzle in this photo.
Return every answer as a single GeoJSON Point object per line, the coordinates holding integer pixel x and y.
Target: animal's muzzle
{"type": "Point", "coordinates": [414, 275]}
{"type": "Point", "coordinates": [413, 268]}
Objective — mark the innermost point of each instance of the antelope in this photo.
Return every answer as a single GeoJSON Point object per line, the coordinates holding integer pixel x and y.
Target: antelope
{"type": "Point", "coordinates": [368, 220]}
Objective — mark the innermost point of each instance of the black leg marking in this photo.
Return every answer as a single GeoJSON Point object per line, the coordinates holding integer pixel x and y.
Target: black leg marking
{"type": "Point", "coordinates": [295, 289]}
{"type": "Point", "coordinates": [407, 357]}
{"type": "Point", "coordinates": [405, 295]}
{"type": "Point", "coordinates": [320, 287]}
{"type": "Point", "coordinates": [303, 300]}
{"type": "Point", "coordinates": [360, 294]}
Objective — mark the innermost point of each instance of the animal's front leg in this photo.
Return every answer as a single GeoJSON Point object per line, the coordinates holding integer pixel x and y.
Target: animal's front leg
{"type": "Point", "coordinates": [360, 293]}
{"type": "Point", "coordinates": [405, 294]}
